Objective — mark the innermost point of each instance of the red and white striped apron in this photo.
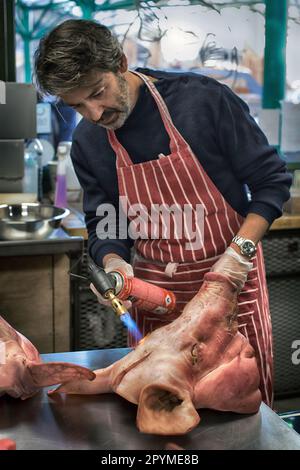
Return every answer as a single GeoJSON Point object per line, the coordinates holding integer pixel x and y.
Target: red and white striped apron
{"type": "Point", "coordinates": [179, 178]}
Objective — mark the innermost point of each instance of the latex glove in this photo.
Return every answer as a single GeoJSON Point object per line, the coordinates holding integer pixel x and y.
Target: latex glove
{"type": "Point", "coordinates": [234, 266]}
{"type": "Point", "coordinates": [112, 265]}
{"type": "Point", "coordinates": [118, 263]}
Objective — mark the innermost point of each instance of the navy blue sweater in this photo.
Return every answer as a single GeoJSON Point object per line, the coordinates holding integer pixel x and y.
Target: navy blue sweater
{"type": "Point", "coordinates": [217, 125]}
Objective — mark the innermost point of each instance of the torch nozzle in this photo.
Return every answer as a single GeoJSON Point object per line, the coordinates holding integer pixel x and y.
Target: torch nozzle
{"type": "Point", "coordinates": [124, 315]}
{"type": "Point", "coordinates": [116, 303]}
{"type": "Point", "coordinates": [105, 284]}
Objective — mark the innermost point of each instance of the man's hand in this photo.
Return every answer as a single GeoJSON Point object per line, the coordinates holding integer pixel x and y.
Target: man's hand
{"type": "Point", "coordinates": [113, 264]}
{"type": "Point", "coordinates": [233, 266]}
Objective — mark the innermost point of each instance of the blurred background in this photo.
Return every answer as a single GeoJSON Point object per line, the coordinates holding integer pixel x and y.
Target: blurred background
{"type": "Point", "coordinates": [231, 41]}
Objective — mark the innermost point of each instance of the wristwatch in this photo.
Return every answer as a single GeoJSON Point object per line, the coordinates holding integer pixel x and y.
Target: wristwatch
{"type": "Point", "coordinates": [247, 247]}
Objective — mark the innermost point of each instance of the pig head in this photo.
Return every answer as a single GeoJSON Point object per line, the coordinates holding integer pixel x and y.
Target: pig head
{"type": "Point", "coordinates": [22, 372]}
{"type": "Point", "coordinates": [200, 360]}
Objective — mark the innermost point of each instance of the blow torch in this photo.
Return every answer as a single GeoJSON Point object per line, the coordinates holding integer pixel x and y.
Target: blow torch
{"type": "Point", "coordinates": [105, 285]}
{"type": "Point", "coordinates": [116, 287]}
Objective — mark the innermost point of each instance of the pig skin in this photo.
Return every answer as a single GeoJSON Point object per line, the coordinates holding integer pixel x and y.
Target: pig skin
{"type": "Point", "coordinates": [200, 360]}
{"type": "Point", "coordinates": [22, 372]}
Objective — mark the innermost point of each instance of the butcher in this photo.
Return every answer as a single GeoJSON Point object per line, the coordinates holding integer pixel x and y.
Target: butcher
{"type": "Point", "coordinates": [184, 150]}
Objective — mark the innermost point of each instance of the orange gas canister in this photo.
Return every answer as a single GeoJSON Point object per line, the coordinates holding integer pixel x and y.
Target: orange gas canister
{"type": "Point", "coordinates": [144, 295]}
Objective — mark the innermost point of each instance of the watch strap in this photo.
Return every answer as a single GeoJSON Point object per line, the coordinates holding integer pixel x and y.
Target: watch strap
{"type": "Point", "coordinates": [238, 240]}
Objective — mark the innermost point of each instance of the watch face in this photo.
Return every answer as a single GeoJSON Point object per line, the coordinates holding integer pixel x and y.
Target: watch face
{"type": "Point", "coordinates": [248, 248]}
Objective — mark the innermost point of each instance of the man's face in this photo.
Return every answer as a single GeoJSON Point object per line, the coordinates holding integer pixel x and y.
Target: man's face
{"type": "Point", "coordinates": [105, 102]}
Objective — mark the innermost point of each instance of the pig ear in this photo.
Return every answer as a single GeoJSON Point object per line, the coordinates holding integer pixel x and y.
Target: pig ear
{"type": "Point", "coordinates": [51, 373]}
{"type": "Point", "coordinates": [166, 410]}
{"type": "Point", "coordinates": [101, 384]}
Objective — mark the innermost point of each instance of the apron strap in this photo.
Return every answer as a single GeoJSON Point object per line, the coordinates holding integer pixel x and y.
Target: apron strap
{"type": "Point", "coordinates": [123, 158]}
{"type": "Point", "coordinates": [176, 139]}
{"type": "Point", "coordinates": [177, 142]}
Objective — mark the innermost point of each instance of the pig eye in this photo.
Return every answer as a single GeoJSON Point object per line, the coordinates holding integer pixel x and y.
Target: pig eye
{"type": "Point", "coordinates": [194, 354]}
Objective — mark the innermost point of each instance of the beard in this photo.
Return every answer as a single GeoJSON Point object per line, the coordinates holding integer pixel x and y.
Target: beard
{"type": "Point", "coordinates": [114, 118]}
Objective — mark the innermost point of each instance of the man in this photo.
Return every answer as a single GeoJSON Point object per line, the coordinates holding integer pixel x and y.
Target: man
{"type": "Point", "coordinates": [183, 141]}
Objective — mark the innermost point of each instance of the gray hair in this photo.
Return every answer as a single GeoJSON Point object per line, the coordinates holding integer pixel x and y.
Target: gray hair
{"type": "Point", "coordinates": [66, 57]}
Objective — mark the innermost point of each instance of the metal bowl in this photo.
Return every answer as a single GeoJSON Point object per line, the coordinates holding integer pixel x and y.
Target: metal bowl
{"type": "Point", "coordinates": [29, 221]}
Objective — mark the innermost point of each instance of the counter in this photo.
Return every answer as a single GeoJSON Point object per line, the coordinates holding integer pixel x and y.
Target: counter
{"type": "Point", "coordinates": [107, 422]}
{"type": "Point", "coordinates": [36, 289]}
{"type": "Point", "coordinates": [58, 242]}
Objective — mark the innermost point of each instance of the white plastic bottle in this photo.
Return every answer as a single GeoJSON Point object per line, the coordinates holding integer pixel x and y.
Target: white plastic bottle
{"type": "Point", "coordinates": [30, 180]}
{"type": "Point", "coordinates": [60, 199]}
{"type": "Point", "coordinates": [73, 185]}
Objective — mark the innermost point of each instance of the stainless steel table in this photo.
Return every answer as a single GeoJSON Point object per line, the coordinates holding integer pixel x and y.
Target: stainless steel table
{"type": "Point", "coordinates": [58, 242]}
{"type": "Point", "coordinates": [107, 422]}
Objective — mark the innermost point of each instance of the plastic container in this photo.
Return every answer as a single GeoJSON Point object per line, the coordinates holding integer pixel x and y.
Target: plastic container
{"type": "Point", "coordinates": [72, 183]}
{"type": "Point", "coordinates": [60, 199]}
{"type": "Point", "coordinates": [31, 168]}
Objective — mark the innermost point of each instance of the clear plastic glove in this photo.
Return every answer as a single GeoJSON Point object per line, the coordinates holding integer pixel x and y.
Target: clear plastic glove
{"type": "Point", "coordinates": [114, 264]}
{"type": "Point", "coordinates": [234, 266]}
{"type": "Point", "coordinates": [118, 263]}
